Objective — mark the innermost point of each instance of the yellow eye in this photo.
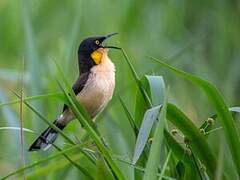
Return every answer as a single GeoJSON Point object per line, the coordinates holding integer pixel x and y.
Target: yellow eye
{"type": "Point", "coordinates": [97, 42]}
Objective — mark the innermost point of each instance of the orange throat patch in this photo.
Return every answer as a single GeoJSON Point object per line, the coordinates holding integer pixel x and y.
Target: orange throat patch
{"type": "Point", "coordinates": [97, 56]}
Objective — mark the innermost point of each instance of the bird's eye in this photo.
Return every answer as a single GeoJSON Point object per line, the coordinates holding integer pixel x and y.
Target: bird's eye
{"type": "Point", "coordinates": [97, 42]}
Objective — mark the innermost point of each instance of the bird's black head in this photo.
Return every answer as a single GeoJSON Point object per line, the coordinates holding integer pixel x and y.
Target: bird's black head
{"type": "Point", "coordinates": [88, 48]}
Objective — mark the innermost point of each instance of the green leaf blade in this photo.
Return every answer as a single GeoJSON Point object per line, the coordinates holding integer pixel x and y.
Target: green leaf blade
{"type": "Point", "coordinates": [149, 118]}
{"type": "Point", "coordinates": [153, 162]}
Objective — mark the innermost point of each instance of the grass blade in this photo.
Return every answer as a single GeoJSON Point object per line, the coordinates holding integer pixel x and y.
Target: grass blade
{"type": "Point", "coordinates": [137, 80]}
{"type": "Point", "coordinates": [22, 155]}
{"type": "Point", "coordinates": [149, 118]}
{"type": "Point", "coordinates": [165, 165]}
{"type": "Point", "coordinates": [224, 115]}
{"type": "Point", "coordinates": [153, 161]}
{"type": "Point", "coordinates": [155, 88]}
{"type": "Point", "coordinates": [129, 116]}
{"type": "Point", "coordinates": [17, 128]}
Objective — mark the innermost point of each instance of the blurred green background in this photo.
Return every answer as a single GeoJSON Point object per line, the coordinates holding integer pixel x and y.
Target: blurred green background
{"type": "Point", "coordinates": [201, 37]}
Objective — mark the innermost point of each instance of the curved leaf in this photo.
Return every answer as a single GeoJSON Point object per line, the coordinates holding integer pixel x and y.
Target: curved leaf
{"type": "Point", "coordinates": [153, 161]}
{"type": "Point", "coordinates": [149, 118]}
{"type": "Point", "coordinates": [154, 87]}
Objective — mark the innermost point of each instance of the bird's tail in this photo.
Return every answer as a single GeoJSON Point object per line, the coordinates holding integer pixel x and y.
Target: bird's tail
{"type": "Point", "coordinates": [46, 138]}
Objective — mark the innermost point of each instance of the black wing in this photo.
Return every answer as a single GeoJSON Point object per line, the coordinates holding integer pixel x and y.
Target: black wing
{"type": "Point", "coordinates": [78, 85]}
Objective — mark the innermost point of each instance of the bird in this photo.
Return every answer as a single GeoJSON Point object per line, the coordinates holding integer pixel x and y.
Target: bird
{"type": "Point", "coordinates": [93, 89]}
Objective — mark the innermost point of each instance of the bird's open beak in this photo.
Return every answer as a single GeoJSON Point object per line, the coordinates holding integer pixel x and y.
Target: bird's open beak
{"type": "Point", "coordinates": [107, 37]}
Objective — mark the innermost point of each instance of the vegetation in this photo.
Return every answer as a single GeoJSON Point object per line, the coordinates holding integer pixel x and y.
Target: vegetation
{"type": "Point", "coordinates": [170, 118]}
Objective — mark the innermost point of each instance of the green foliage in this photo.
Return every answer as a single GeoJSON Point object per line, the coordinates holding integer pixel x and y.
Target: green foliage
{"type": "Point", "coordinates": [196, 154]}
{"type": "Point", "coordinates": [137, 136]}
{"type": "Point", "coordinates": [223, 113]}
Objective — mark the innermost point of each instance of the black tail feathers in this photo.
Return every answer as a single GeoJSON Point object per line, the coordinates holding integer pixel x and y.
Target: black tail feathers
{"type": "Point", "coordinates": [46, 138]}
